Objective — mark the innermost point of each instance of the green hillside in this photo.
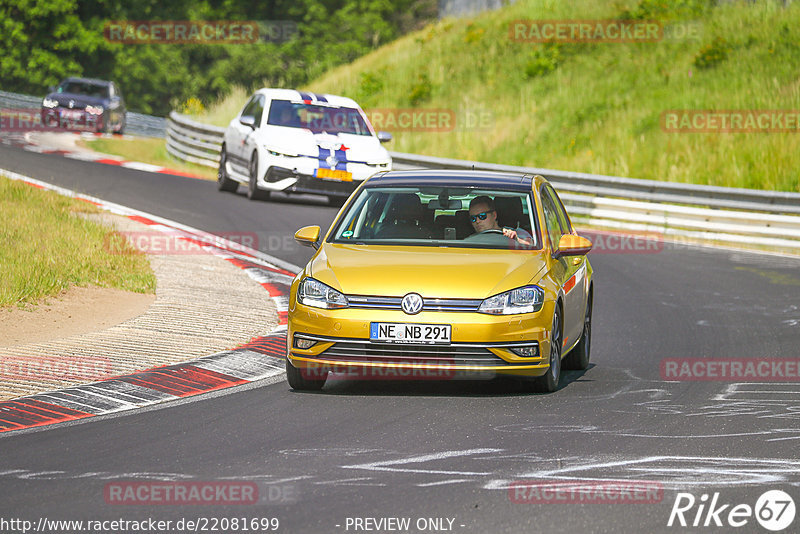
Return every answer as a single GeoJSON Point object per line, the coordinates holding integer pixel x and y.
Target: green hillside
{"type": "Point", "coordinates": [597, 107]}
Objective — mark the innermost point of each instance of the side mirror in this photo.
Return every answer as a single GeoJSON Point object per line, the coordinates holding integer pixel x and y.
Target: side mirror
{"type": "Point", "coordinates": [572, 245]}
{"type": "Point", "coordinates": [308, 236]}
{"type": "Point", "coordinates": [248, 120]}
{"type": "Point", "coordinates": [384, 137]}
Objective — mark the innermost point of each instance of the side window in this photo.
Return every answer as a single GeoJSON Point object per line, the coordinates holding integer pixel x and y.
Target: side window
{"type": "Point", "coordinates": [258, 111]}
{"type": "Point", "coordinates": [563, 218]}
{"type": "Point", "coordinates": [551, 220]}
{"type": "Point", "coordinates": [249, 108]}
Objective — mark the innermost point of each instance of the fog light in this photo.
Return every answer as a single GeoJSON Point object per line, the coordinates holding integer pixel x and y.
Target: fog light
{"type": "Point", "coordinates": [530, 351]}
{"type": "Point", "coordinates": [303, 343]}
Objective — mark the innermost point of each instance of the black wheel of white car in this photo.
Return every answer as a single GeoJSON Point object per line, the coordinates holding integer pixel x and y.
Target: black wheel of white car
{"type": "Point", "coordinates": [224, 183]}
{"type": "Point", "coordinates": [253, 192]}
{"type": "Point", "coordinates": [578, 358]}
{"type": "Point", "coordinates": [548, 382]}
{"type": "Point", "coordinates": [297, 381]}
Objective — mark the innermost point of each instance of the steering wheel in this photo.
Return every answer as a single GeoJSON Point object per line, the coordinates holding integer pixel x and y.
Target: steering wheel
{"type": "Point", "coordinates": [492, 231]}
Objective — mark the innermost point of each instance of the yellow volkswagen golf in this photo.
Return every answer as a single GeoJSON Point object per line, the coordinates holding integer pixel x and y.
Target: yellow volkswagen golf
{"type": "Point", "coordinates": [441, 275]}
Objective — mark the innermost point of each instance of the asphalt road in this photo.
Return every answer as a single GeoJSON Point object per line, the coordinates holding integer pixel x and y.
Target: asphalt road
{"type": "Point", "coordinates": [450, 450]}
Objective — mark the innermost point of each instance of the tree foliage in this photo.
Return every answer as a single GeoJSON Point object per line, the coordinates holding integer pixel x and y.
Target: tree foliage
{"type": "Point", "coordinates": [44, 41]}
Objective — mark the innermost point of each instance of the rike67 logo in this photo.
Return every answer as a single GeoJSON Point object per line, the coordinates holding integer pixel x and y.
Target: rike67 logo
{"type": "Point", "coordinates": [774, 510]}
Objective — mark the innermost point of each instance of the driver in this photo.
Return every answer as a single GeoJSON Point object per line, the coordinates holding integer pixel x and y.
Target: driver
{"type": "Point", "coordinates": [288, 117]}
{"type": "Point", "coordinates": [483, 217]}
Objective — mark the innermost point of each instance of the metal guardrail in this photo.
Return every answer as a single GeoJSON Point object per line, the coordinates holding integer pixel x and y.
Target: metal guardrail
{"type": "Point", "coordinates": [193, 141]}
{"type": "Point", "coordinates": [135, 123]}
{"type": "Point", "coordinates": [695, 212]}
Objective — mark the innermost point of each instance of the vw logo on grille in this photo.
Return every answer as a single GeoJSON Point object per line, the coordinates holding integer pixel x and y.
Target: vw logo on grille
{"type": "Point", "coordinates": [411, 304]}
{"type": "Point", "coordinates": [332, 161]}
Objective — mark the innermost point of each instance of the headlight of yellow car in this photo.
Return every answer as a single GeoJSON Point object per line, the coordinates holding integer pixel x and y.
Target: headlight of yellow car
{"type": "Point", "coordinates": [314, 293]}
{"type": "Point", "coordinates": [526, 299]}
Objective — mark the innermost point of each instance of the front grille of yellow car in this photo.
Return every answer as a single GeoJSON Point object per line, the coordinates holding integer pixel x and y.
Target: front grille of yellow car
{"type": "Point", "coordinates": [428, 304]}
{"type": "Point", "coordinates": [453, 354]}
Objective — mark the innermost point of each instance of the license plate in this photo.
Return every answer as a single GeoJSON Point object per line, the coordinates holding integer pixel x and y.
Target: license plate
{"type": "Point", "coordinates": [409, 333]}
{"type": "Point", "coordinates": [333, 174]}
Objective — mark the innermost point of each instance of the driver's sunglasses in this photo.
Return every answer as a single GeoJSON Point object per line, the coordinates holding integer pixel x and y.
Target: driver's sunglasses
{"type": "Point", "coordinates": [482, 216]}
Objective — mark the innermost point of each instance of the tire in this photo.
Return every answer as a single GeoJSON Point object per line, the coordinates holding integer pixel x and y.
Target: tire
{"type": "Point", "coordinates": [253, 192]}
{"type": "Point", "coordinates": [548, 382]}
{"type": "Point", "coordinates": [121, 129]}
{"type": "Point", "coordinates": [578, 358]}
{"type": "Point", "coordinates": [224, 183]}
{"type": "Point", "coordinates": [106, 128]}
{"type": "Point", "coordinates": [298, 382]}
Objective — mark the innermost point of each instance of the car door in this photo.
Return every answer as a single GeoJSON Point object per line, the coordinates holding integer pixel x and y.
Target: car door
{"type": "Point", "coordinates": [250, 135]}
{"type": "Point", "coordinates": [574, 272]}
{"type": "Point", "coordinates": [236, 135]}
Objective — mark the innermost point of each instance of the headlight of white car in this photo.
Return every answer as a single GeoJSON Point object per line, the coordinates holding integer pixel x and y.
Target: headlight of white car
{"type": "Point", "coordinates": [283, 154]}
{"type": "Point", "coordinates": [526, 299]}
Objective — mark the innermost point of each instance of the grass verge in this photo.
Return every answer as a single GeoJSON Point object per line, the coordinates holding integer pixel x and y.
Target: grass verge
{"type": "Point", "coordinates": [47, 247]}
{"type": "Point", "coordinates": [147, 150]}
{"type": "Point", "coordinates": [595, 107]}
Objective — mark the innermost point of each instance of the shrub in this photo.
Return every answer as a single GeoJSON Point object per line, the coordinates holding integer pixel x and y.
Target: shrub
{"type": "Point", "coordinates": [421, 90]}
{"type": "Point", "coordinates": [712, 54]}
{"type": "Point", "coordinates": [544, 60]}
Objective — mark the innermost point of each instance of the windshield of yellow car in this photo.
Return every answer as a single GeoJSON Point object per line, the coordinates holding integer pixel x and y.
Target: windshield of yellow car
{"type": "Point", "coordinates": [440, 216]}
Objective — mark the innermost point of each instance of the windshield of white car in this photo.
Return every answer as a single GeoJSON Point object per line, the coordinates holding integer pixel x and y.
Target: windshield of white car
{"type": "Point", "coordinates": [318, 119]}
{"type": "Point", "coordinates": [84, 88]}
{"type": "Point", "coordinates": [439, 216]}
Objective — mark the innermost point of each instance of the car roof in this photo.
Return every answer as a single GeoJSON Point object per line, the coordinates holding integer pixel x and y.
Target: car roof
{"type": "Point", "coordinates": [86, 80]}
{"type": "Point", "coordinates": [307, 96]}
{"type": "Point", "coordinates": [455, 178]}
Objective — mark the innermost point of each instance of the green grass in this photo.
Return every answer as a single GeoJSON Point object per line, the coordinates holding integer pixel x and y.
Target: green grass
{"type": "Point", "coordinates": [595, 107]}
{"type": "Point", "coordinates": [47, 247]}
{"type": "Point", "coordinates": [147, 150]}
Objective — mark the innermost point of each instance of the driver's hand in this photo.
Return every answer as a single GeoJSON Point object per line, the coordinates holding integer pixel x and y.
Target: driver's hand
{"type": "Point", "coordinates": [511, 234]}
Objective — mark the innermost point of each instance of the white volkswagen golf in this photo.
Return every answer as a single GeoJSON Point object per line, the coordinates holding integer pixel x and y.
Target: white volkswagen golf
{"type": "Point", "coordinates": [296, 142]}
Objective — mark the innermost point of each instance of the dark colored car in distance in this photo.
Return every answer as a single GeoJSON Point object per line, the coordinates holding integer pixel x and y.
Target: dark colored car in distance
{"type": "Point", "coordinates": [85, 104]}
